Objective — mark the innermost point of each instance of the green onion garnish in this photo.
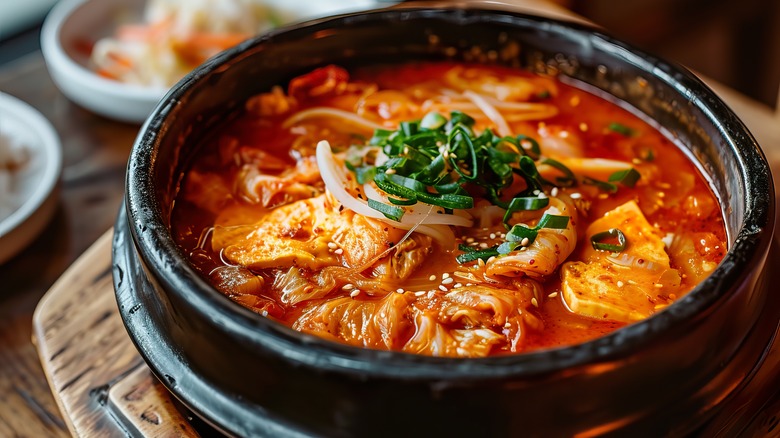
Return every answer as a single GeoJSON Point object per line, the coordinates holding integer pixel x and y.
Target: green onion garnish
{"type": "Point", "coordinates": [524, 204]}
{"type": "Point", "coordinates": [607, 187]}
{"type": "Point", "coordinates": [568, 179]}
{"type": "Point", "coordinates": [627, 177]}
{"type": "Point", "coordinates": [604, 241]}
{"type": "Point", "coordinates": [553, 221]}
{"type": "Point", "coordinates": [483, 254]}
{"type": "Point", "coordinates": [433, 120]}
{"type": "Point", "coordinates": [390, 211]}
{"type": "Point", "coordinates": [519, 233]}
{"type": "Point", "coordinates": [621, 129]}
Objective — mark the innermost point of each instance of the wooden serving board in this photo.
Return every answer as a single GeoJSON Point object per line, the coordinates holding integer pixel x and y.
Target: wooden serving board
{"type": "Point", "coordinates": [101, 384]}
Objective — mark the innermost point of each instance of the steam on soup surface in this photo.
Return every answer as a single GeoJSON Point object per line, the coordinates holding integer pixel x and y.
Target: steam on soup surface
{"type": "Point", "coordinates": [446, 209]}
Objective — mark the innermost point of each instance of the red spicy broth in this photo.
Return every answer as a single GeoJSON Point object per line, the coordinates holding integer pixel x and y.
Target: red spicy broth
{"type": "Point", "coordinates": [267, 228]}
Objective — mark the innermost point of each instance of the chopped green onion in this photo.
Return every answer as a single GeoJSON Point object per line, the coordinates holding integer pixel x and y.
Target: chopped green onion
{"type": "Point", "coordinates": [447, 200]}
{"type": "Point", "coordinates": [621, 129]}
{"type": "Point", "coordinates": [527, 169]}
{"type": "Point", "coordinates": [474, 255]}
{"type": "Point", "coordinates": [553, 221]}
{"type": "Point", "coordinates": [402, 201]}
{"type": "Point", "coordinates": [524, 204]}
{"type": "Point", "coordinates": [603, 241]}
{"type": "Point", "coordinates": [433, 120]}
{"type": "Point", "coordinates": [568, 179]}
{"type": "Point", "coordinates": [466, 248]}
{"type": "Point", "coordinates": [520, 232]}
{"type": "Point", "coordinates": [364, 174]}
{"type": "Point", "coordinates": [533, 147]}
{"type": "Point", "coordinates": [461, 118]}
{"type": "Point", "coordinates": [607, 187]}
{"type": "Point", "coordinates": [380, 135]}
{"type": "Point", "coordinates": [507, 247]}
{"type": "Point", "coordinates": [627, 177]}
{"type": "Point", "coordinates": [390, 211]}
{"type": "Point", "coordinates": [409, 128]}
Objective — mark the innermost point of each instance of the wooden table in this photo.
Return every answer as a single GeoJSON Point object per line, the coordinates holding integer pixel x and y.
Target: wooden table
{"type": "Point", "coordinates": [95, 154]}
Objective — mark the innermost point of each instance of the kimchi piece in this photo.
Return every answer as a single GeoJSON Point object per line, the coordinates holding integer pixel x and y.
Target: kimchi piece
{"type": "Point", "coordinates": [446, 209]}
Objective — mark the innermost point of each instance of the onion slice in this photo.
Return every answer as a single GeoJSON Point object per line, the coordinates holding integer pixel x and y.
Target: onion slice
{"type": "Point", "coordinates": [332, 113]}
{"type": "Point", "coordinates": [490, 111]}
{"type": "Point", "coordinates": [336, 182]}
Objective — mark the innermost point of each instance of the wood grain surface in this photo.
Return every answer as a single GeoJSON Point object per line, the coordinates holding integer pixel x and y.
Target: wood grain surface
{"type": "Point", "coordinates": [95, 152]}
{"type": "Point", "coordinates": [100, 382]}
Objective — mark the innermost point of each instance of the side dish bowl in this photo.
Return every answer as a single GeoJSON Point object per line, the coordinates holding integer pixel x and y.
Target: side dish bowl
{"type": "Point", "coordinates": [74, 26]}
{"type": "Point", "coordinates": [36, 184]}
{"type": "Point", "coordinates": [248, 375]}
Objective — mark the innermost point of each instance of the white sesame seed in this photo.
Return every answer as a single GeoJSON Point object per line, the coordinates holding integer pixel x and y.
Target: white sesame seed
{"type": "Point", "coordinates": [447, 281]}
{"type": "Point", "coordinates": [265, 313]}
{"type": "Point", "coordinates": [620, 283]}
{"type": "Point", "coordinates": [442, 288]}
{"type": "Point", "coordinates": [457, 285]}
{"type": "Point", "coordinates": [348, 286]}
{"type": "Point", "coordinates": [542, 195]}
{"type": "Point", "coordinates": [525, 241]}
{"type": "Point", "coordinates": [534, 302]}
{"type": "Point", "coordinates": [420, 293]}
{"type": "Point", "coordinates": [536, 192]}
{"type": "Point", "coordinates": [575, 195]}
{"type": "Point", "coordinates": [390, 171]}
{"type": "Point", "coordinates": [354, 293]}
{"type": "Point", "coordinates": [554, 192]}
{"type": "Point", "coordinates": [492, 235]}
{"type": "Point", "coordinates": [490, 260]}
{"type": "Point", "coordinates": [483, 245]}
{"type": "Point", "coordinates": [503, 235]}
{"type": "Point", "coordinates": [553, 295]}
{"type": "Point", "coordinates": [469, 284]}
{"type": "Point", "coordinates": [470, 240]}
{"type": "Point", "coordinates": [332, 245]}
{"type": "Point", "coordinates": [431, 294]}
{"type": "Point", "coordinates": [659, 285]}
{"type": "Point", "coordinates": [400, 290]}
{"type": "Point", "coordinates": [339, 251]}
{"type": "Point", "coordinates": [445, 275]}
{"type": "Point", "coordinates": [432, 278]}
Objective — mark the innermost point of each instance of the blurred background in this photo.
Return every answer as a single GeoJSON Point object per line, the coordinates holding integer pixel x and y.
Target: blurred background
{"type": "Point", "coordinates": [733, 42]}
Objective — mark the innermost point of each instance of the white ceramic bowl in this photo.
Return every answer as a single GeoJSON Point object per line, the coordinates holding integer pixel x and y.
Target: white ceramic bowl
{"type": "Point", "coordinates": [36, 183]}
{"type": "Point", "coordinates": [73, 26]}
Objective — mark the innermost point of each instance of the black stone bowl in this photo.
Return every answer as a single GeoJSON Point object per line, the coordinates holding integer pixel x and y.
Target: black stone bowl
{"type": "Point", "coordinates": [249, 376]}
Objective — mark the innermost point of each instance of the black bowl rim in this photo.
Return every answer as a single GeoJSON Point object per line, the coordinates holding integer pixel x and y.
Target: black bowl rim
{"type": "Point", "coordinates": [161, 255]}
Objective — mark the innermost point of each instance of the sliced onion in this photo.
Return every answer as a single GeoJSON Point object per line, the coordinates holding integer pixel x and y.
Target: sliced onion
{"type": "Point", "coordinates": [422, 213]}
{"type": "Point", "coordinates": [336, 182]}
{"type": "Point", "coordinates": [332, 113]}
{"type": "Point", "coordinates": [490, 111]}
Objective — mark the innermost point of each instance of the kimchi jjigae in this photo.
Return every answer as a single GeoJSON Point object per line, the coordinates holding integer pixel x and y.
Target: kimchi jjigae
{"type": "Point", "coordinates": [446, 209]}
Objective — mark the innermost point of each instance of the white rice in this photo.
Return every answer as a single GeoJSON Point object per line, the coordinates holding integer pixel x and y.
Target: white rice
{"type": "Point", "coordinates": [13, 157]}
